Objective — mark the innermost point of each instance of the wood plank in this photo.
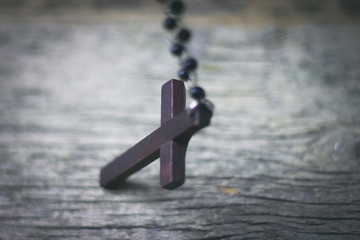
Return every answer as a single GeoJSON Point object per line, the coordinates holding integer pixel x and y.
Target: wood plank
{"type": "Point", "coordinates": [278, 162]}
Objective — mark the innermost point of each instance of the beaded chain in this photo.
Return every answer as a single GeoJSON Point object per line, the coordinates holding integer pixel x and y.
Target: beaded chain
{"type": "Point", "coordinates": [180, 37]}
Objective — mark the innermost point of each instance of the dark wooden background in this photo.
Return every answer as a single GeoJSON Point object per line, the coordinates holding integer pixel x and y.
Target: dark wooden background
{"type": "Point", "coordinates": [80, 85]}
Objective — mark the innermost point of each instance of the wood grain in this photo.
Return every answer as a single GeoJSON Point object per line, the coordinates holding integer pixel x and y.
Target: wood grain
{"type": "Point", "coordinates": [278, 162]}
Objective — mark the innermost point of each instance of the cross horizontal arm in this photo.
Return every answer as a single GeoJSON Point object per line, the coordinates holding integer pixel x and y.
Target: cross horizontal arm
{"type": "Point", "coordinates": [179, 128]}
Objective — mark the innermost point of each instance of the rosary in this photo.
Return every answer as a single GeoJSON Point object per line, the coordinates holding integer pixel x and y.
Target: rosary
{"type": "Point", "coordinates": [170, 140]}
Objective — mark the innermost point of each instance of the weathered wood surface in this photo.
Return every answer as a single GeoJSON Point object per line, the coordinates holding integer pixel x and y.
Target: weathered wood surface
{"type": "Point", "coordinates": [280, 160]}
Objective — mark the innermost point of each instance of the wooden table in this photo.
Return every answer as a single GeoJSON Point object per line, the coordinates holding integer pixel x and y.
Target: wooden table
{"type": "Point", "coordinates": [279, 161]}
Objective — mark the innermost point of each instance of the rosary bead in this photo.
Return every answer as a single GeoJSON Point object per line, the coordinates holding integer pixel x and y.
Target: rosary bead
{"type": "Point", "coordinates": [190, 64]}
{"type": "Point", "coordinates": [197, 93]}
{"type": "Point", "coordinates": [183, 35]}
{"type": "Point", "coordinates": [177, 49]}
{"type": "Point", "coordinates": [169, 23]}
{"type": "Point", "coordinates": [183, 74]}
{"type": "Point", "coordinates": [176, 7]}
{"type": "Point", "coordinates": [180, 37]}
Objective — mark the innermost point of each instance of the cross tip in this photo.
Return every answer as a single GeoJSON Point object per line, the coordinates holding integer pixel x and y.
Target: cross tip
{"type": "Point", "coordinates": [171, 185]}
{"type": "Point", "coordinates": [108, 183]}
{"type": "Point", "coordinates": [173, 83]}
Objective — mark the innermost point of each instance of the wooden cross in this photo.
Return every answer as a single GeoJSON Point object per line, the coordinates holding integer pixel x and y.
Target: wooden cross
{"type": "Point", "coordinates": [169, 141]}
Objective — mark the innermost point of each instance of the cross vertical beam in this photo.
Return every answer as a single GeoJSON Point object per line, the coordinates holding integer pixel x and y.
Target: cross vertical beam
{"type": "Point", "coordinates": [172, 153]}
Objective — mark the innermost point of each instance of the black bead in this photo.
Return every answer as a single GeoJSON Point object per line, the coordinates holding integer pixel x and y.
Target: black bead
{"type": "Point", "coordinates": [183, 35]}
{"type": "Point", "coordinates": [183, 74]}
{"type": "Point", "coordinates": [177, 7]}
{"type": "Point", "coordinates": [169, 23]}
{"type": "Point", "coordinates": [190, 64]}
{"type": "Point", "coordinates": [177, 49]}
{"type": "Point", "coordinates": [197, 93]}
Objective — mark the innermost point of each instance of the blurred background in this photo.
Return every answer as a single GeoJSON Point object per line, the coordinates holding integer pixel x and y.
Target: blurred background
{"type": "Point", "coordinates": [80, 83]}
{"type": "Point", "coordinates": [245, 11]}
